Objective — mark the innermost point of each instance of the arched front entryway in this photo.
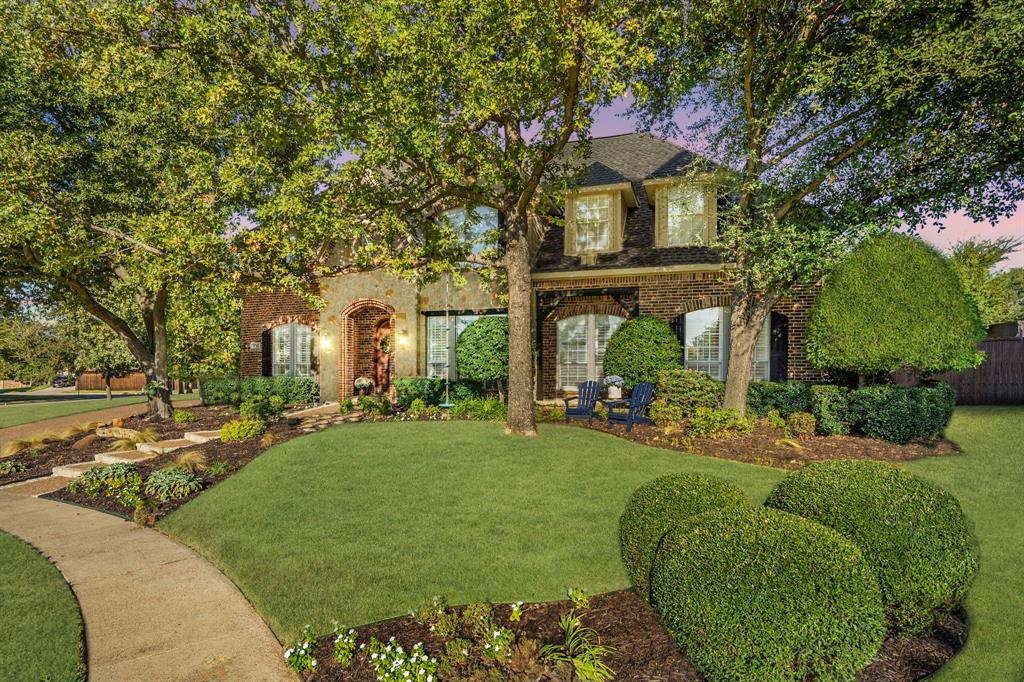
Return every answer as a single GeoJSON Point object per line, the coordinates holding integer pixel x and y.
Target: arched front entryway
{"type": "Point", "coordinates": [367, 346]}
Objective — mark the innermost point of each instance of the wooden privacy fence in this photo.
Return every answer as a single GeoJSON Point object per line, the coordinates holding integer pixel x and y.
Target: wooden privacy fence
{"type": "Point", "coordinates": [93, 381]}
{"type": "Point", "coordinates": [999, 380]}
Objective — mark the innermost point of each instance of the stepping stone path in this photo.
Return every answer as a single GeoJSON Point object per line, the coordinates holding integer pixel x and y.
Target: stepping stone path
{"type": "Point", "coordinates": [318, 422]}
{"type": "Point", "coordinates": [63, 474]}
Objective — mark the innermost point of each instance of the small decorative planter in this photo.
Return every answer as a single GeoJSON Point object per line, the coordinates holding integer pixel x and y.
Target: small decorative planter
{"type": "Point", "coordinates": [614, 393]}
{"type": "Point", "coordinates": [363, 385]}
{"type": "Point", "coordinates": [614, 384]}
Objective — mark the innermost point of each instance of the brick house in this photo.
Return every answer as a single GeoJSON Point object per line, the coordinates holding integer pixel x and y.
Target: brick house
{"type": "Point", "coordinates": [632, 242]}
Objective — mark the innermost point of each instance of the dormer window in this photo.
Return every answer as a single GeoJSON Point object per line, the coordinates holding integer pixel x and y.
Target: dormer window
{"type": "Point", "coordinates": [684, 212]}
{"type": "Point", "coordinates": [593, 222]}
{"type": "Point", "coordinates": [595, 217]}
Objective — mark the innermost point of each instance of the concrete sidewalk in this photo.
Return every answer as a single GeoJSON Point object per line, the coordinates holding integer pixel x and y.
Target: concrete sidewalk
{"type": "Point", "coordinates": [153, 609]}
{"type": "Point", "coordinates": [61, 423]}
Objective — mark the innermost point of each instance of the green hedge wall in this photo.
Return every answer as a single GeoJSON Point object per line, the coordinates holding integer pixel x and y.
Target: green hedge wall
{"type": "Point", "coordinates": [232, 390]}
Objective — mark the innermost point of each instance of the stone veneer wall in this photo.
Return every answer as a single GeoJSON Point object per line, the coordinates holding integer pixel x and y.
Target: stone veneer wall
{"type": "Point", "coordinates": [263, 310]}
{"type": "Point", "coordinates": [666, 295]}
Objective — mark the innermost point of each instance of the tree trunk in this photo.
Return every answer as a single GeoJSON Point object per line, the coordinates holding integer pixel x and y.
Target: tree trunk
{"type": "Point", "coordinates": [106, 382]}
{"type": "Point", "coordinates": [749, 312]}
{"type": "Point", "coordinates": [520, 338]}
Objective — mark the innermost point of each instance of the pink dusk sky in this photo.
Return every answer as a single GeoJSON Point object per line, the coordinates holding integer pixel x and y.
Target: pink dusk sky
{"type": "Point", "coordinates": [956, 227]}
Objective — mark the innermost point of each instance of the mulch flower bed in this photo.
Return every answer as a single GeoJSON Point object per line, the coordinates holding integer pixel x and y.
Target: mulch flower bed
{"type": "Point", "coordinates": [643, 649]}
{"type": "Point", "coordinates": [236, 455]}
{"type": "Point", "coordinates": [771, 447]}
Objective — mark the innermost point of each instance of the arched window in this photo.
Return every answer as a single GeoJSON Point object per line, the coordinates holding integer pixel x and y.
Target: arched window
{"type": "Point", "coordinates": [582, 341]}
{"type": "Point", "coordinates": [705, 340]}
{"type": "Point", "coordinates": [291, 350]}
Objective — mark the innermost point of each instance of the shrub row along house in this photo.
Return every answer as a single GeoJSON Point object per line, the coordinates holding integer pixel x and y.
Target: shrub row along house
{"type": "Point", "coordinates": [634, 241]}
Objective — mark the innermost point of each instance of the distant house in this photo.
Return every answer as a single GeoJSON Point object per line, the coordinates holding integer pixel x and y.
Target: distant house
{"type": "Point", "coordinates": [634, 241]}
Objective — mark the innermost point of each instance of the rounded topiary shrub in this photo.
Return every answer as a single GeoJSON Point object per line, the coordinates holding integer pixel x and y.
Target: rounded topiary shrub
{"type": "Point", "coordinates": [914, 534]}
{"type": "Point", "coordinates": [760, 595]}
{"type": "Point", "coordinates": [655, 507]}
{"type": "Point", "coordinates": [481, 353]}
{"type": "Point", "coordinates": [895, 301]}
{"type": "Point", "coordinates": [641, 349]}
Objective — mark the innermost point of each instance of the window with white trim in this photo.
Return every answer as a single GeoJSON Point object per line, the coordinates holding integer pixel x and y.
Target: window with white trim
{"type": "Point", "coordinates": [582, 342]}
{"type": "Point", "coordinates": [291, 350]}
{"type": "Point", "coordinates": [593, 222]}
{"type": "Point", "coordinates": [684, 213]}
{"type": "Point", "coordinates": [442, 335]}
{"type": "Point", "coordinates": [706, 346]}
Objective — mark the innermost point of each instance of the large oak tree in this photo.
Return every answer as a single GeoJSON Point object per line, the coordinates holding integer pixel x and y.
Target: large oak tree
{"type": "Point", "coordinates": [837, 118]}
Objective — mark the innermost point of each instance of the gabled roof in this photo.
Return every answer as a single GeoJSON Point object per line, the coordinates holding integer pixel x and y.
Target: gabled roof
{"type": "Point", "coordinates": [632, 158]}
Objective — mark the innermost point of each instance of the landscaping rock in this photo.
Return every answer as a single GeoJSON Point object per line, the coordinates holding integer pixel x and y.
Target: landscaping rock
{"type": "Point", "coordinates": [356, 416]}
{"type": "Point", "coordinates": [116, 432]}
{"type": "Point", "coordinates": [86, 442]}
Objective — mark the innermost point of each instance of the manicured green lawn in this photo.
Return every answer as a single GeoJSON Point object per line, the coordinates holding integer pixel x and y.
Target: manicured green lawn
{"type": "Point", "coordinates": [40, 625]}
{"type": "Point", "coordinates": [365, 521]}
{"type": "Point", "coordinates": [361, 522]}
{"type": "Point", "coordinates": [12, 415]}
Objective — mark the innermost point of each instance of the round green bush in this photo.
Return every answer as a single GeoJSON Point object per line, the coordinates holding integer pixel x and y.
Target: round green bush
{"type": "Point", "coordinates": [894, 301]}
{"type": "Point", "coordinates": [914, 534]}
{"type": "Point", "coordinates": [758, 595]}
{"type": "Point", "coordinates": [242, 429]}
{"type": "Point", "coordinates": [641, 349]}
{"type": "Point", "coordinates": [899, 414]}
{"type": "Point", "coordinates": [481, 352]}
{"type": "Point", "coordinates": [658, 505]}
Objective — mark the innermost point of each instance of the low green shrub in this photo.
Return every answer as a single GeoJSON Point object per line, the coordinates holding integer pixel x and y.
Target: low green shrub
{"type": "Point", "coordinates": [232, 390]}
{"type": "Point", "coordinates": [830, 406]}
{"type": "Point", "coordinates": [759, 595]}
{"type": "Point", "coordinates": [707, 422]}
{"type": "Point", "coordinates": [658, 505]}
{"type": "Point", "coordinates": [914, 534]}
{"type": "Point", "coordinates": [185, 417]}
{"type": "Point", "coordinates": [222, 391]}
{"type": "Point", "coordinates": [417, 407]}
{"type": "Point", "coordinates": [641, 349]}
{"type": "Point", "coordinates": [900, 414]}
{"type": "Point", "coordinates": [480, 409]}
{"type": "Point", "coordinates": [684, 390]}
{"type": "Point", "coordinates": [785, 397]}
{"type": "Point", "coordinates": [217, 468]}
{"type": "Point", "coordinates": [375, 406]}
{"type": "Point", "coordinates": [802, 424]}
{"type": "Point", "coordinates": [172, 483]}
{"type": "Point", "coordinates": [120, 481]}
{"type": "Point", "coordinates": [264, 408]}
{"type": "Point", "coordinates": [431, 390]}
{"type": "Point", "coordinates": [345, 406]}
{"type": "Point", "coordinates": [774, 420]}
{"type": "Point", "coordinates": [242, 429]}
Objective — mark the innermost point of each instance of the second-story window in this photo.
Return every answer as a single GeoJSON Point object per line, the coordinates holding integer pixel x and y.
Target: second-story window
{"type": "Point", "coordinates": [685, 216]}
{"type": "Point", "coordinates": [593, 222]}
{"type": "Point", "coordinates": [476, 226]}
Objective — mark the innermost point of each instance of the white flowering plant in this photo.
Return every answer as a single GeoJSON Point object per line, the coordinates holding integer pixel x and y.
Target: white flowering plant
{"type": "Point", "coordinates": [364, 382]}
{"type": "Point", "coordinates": [302, 656]}
{"type": "Point", "coordinates": [498, 644]}
{"type": "Point", "coordinates": [344, 645]}
{"type": "Point", "coordinates": [392, 663]}
{"type": "Point", "coordinates": [614, 380]}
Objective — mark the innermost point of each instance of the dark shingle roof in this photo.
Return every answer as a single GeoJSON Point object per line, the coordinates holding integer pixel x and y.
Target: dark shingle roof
{"type": "Point", "coordinates": [633, 157]}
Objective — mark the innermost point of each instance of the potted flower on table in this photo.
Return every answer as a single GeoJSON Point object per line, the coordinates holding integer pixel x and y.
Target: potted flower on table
{"type": "Point", "coordinates": [363, 385]}
{"type": "Point", "coordinates": [614, 385]}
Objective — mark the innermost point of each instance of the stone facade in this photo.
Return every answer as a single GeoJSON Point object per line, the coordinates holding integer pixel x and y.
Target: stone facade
{"type": "Point", "coordinates": [665, 295]}
{"type": "Point", "coordinates": [346, 329]}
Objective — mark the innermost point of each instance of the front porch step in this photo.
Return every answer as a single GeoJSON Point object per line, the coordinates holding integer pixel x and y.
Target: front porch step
{"type": "Point", "coordinates": [202, 436]}
{"type": "Point", "coordinates": [129, 456]}
{"type": "Point", "coordinates": [34, 487]}
{"type": "Point", "coordinates": [75, 470]}
{"type": "Point", "coordinates": [164, 446]}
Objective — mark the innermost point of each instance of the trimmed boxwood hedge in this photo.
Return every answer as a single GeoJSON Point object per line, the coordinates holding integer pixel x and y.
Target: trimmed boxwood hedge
{"type": "Point", "coordinates": [641, 349]}
{"type": "Point", "coordinates": [899, 414]}
{"type": "Point", "coordinates": [784, 397]}
{"type": "Point", "coordinates": [655, 507]}
{"type": "Point", "coordinates": [830, 406]}
{"type": "Point", "coordinates": [914, 534]}
{"type": "Point", "coordinates": [431, 390]}
{"type": "Point", "coordinates": [232, 390]}
{"type": "Point", "coordinates": [759, 595]}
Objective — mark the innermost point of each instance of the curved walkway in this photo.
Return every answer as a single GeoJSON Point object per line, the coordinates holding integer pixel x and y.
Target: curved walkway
{"type": "Point", "coordinates": [153, 609]}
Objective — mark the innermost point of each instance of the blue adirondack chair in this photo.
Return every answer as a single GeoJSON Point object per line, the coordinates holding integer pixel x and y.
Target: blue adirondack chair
{"type": "Point", "coordinates": [636, 411]}
{"type": "Point", "coordinates": [586, 399]}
